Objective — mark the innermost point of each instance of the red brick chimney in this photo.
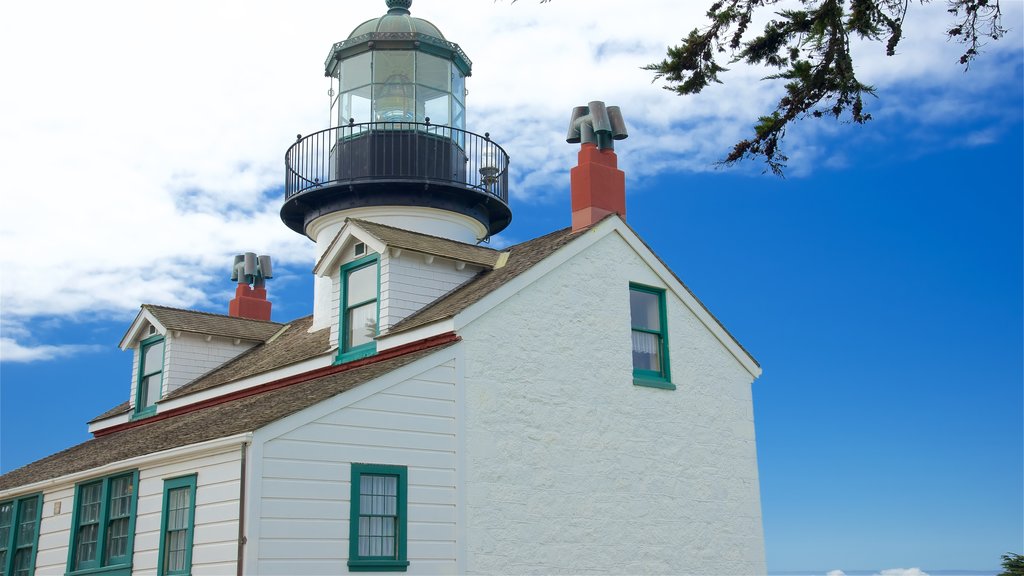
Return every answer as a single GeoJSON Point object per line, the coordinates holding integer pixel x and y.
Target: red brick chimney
{"type": "Point", "coordinates": [598, 186]}
{"type": "Point", "coordinates": [250, 299]}
{"type": "Point", "coordinates": [250, 303]}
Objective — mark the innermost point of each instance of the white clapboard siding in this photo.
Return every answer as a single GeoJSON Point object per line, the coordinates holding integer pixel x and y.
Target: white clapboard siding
{"type": "Point", "coordinates": [408, 283]}
{"type": "Point", "coordinates": [216, 517]}
{"type": "Point", "coordinates": [305, 485]}
{"type": "Point", "coordinates": [189, 356]}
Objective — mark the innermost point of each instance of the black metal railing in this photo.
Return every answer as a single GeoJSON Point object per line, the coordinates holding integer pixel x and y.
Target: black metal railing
{"type": "Point", "coordinates": [397, 151]}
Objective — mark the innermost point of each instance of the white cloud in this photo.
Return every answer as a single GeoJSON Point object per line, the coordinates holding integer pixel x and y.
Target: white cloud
{"type": "Point", "coordinates": [902, 572]}
{"type": "Point", "coordinates": [143, 150]}
{"type": "Point", "coordinates": [12, 351]}
{"type": "Point", "coordinates": [835, 573]}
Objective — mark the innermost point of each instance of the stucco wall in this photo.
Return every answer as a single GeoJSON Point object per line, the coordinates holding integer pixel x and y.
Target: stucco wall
{"type": "Point", "coordinates": [301, 516]}
{"type": "Point", "coordinates": [572, 468]}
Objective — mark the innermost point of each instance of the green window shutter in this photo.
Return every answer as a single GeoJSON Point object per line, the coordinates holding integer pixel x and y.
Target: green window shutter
{"type": "Point", "coordinates": [19, 535]}
{"type": "Point", "coordinates": [103, 525]}
{"type": "Point", "coordinates": [649, 323]}
{"type": "Point", "coordinates": [359, 320]}
{"type": "Point", "coordinates": [378, 518]}
{"type": "Point", "coordinates": [177, 525]}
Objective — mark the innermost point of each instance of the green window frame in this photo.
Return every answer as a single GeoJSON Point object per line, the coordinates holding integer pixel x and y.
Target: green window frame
{"type": "Point", "coordinates": [103, 525]}
{"type": "Point", "coordinates": [649, 335]}
{"type": "Point", "coordinates": [378, 517]}
{"type": "Point", "coordinates": [19, 535]}
{"type": "Point", "coordinates": [364, 308]}
{"type": "Point", "coordinates": [177, 525]}
{"type": "Point", "coordinates": [149, 380]}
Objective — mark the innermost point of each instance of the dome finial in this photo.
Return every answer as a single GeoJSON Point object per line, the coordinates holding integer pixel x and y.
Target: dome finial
{"type": "Point", "coordinates": [398, 6]}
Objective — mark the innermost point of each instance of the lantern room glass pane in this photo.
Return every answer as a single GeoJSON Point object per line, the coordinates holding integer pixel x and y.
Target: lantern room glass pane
{"type": "Point", "coordinates": [458, 85]}
{"type": "Point", "coordinates": [355, 72]}
{"type": "Point", "coordinates": [433, 104]}
{"type": "Point", "coordinates": [394, 96]}
{"type": "Point", "coordinates": [458, 116]}
{"type": "Point", "coordinates": [433, 71]}
{"type": "Point", "coordinates": [355, 105]}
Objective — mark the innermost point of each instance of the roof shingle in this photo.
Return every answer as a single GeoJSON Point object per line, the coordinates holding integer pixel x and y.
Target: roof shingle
{"type": "Point", "coordinates": [213, 324]}
{"type": "Point", "coordinates": [232, 417]}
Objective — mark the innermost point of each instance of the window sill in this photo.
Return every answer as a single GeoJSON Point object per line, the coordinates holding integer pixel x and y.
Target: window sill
{"type": "Point", "coordinates": [144, 414]}
{"type": "Point", "coordinates": [378, 565]}
{"type": "Point", "coordinates": [116, 570]}
{"type": "Point", "coordinates": [356, 354]}
{"type": "Point", "coordinates": [649, 382]}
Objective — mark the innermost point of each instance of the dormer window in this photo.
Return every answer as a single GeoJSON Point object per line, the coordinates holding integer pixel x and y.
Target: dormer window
{"type": "Point", "coordinates": [360, 310]}
{"type": "Point", "coordinates": [151, 368]}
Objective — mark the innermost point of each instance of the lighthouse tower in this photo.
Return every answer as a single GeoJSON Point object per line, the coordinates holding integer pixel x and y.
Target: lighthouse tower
{"type": "Point", "coordinates": [397, 152]}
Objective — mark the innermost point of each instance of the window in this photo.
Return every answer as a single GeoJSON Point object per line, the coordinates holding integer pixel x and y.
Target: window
{"type": "Point", "coordinates": [103, 525]}
{"type": "Point", "coordinates": [359, 309]}
{"type": "Point", "coordinates": [377, 533]}
{"type": "Point", "coordinates": [650, 337]}
{"type": "Point", "coordinates": [151, 368]}
{"type": "Point", "coordinates": [19, 533]}
{"type": "Point", "coordinates": [176, 525]}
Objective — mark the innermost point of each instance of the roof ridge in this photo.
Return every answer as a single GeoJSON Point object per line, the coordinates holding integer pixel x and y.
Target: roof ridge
{"type": "Point", "coordinates": [213, 314]}
{"type": "Point", "coordinates": [360, 221]}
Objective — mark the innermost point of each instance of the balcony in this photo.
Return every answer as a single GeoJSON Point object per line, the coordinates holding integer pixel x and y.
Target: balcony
{"type": "Point", "coordinates": [396, 163]}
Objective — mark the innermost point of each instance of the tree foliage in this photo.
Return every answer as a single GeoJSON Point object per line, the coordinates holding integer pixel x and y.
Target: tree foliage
{"type": "Point", "coordinates": [1013, 565]}
{"type": "Point", "coordinates": [810, 48]}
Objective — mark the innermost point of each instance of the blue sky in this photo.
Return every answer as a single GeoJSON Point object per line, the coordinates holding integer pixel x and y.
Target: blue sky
{"type": "Point", "coordinates": [879, 284]}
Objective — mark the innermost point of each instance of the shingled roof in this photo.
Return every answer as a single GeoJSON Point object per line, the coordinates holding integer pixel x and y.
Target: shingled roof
{"type": "Point", "coordinates": [294, 344]}
{"type": "Point", "coordinates": [213, 324]}
{"type": "Point", "coordinates": [244, 414]}
{"type": "Point", "coordinates": [422, 243]}
{"type": "Point", "coordinates": [521, 258]}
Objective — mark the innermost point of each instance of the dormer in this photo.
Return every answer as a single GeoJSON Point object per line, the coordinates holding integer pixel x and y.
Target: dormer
{"type": "Point", "coordinates": [379, 275]}
{"type": "Point", "coordinates": [172, 347]}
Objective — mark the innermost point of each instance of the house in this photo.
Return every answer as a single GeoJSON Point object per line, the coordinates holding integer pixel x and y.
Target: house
{"type": "Point", "coordinates": [562, 405]}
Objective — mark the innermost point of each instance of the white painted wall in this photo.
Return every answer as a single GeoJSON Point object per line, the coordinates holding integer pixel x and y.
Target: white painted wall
{"type": "Point", "coordinates": [302, 502]}
{"type": "Point", "coordinates": [215, 548]}
{"type": "Point", "coordinates": [571, 468]}
{"type": "Point", "coordinates": [189, 356]}
{"type": "Point", "coordinates": [430, 221]}
{"type": "Point", "coordinates": [408, 283]}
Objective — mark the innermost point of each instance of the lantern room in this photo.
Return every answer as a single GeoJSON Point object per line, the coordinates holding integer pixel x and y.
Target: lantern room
{"type": "Point", "coordinates": [397, 150]}
{"type": "Point", "coordinates": [397, 68]}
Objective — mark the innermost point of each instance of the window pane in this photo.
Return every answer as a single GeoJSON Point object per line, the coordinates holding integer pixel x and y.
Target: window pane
{"type": "Point", "coordinates": [150, 390]}
{"type": "Point", "coordinates": [458, 85]}
{"type": "Point", "coordinates": [432, 71]}
{"type": "Point", "coordinates": [355, 72]}
{"type": "Point", "coordinates": [153, 358]}
{"type": "Point", "coordinates": [89, 508]}
{"type": "Point", "coordinates": [117, 538]}
{"type": "Point", "coordinates": [22, 562]}
{"type": "Point", "coordinates": [27, 523]}
{"type": "Point", "coordinates": [393, 88]}
{"type": "Point", "coordinates": [87, 538]}
{"type": "Point", "coordinates": [432, 104]}
{"type": "Point", "coordinates": [362, 324]}
{"type": "Point", "coordinates": [355, 105]}
{"type": "Point", "coordinates": [361, 285]}
{"type": "Point", "coordinates": [646, 351]}
{"type": "Point", "coordinates": [644, 308]}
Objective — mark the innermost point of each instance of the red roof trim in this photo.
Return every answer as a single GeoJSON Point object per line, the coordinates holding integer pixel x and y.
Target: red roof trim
{"type": "Point", "coordinates": [426, 343]}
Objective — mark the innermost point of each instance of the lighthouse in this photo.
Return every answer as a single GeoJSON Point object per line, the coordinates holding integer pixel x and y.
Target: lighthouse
{"type": "Point", "coordinates": [397, 151]}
